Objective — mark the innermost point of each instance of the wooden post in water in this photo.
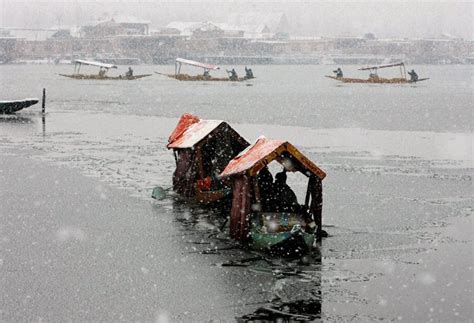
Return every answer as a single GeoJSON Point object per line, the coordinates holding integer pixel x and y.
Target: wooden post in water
{"type": "Point", "coordinates": [43, 103]}
{"type": "Point", "coordinates": [43, 110]}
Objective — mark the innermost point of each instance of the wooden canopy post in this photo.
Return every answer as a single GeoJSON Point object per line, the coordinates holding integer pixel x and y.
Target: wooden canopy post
{"type": "Point", "coordinates": [241, 206]}
{"type": "Point", "coordinates": [315, 189]}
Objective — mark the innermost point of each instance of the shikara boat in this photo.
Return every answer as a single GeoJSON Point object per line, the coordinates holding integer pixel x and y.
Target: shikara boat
{"type": "Point", "coordinates": [202, 149]}
{"type": "Point", "coordinates": [202, 77]}
{"type": "Point", "coordinates": [8, 107]}
{"type": "Point", "coordinates": [102, 75]}
{"type": "Point", "coordinates": [375, 79]}
{"type": "Point", "coordinates": [257, 216]}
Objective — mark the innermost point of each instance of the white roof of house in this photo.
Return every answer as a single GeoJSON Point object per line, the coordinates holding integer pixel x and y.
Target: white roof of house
{"type": "Point", "coordinates": [208, 26]}
{"type": "Point", "coordinates": [229, 27]}
{"type": "Point", "coordinates": [188, 27]}
{"type": "Point", "coordinates": [120, 19]}
{"type": "Point", "coordinates": [183, 25]}
{"type": "Point", "coordinates": [271, 20]}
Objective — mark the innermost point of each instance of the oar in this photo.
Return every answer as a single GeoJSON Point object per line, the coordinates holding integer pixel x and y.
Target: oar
{"type": "Point", "coordinates": [161, 73]}
{"type": "Point", "coordinates": [160, 193]}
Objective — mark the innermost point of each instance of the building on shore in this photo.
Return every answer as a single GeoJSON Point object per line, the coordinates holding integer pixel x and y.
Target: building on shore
{"type": "Point", "coordinates": [241, 39]}
{"type": "Point", "coordinates": [261, 25]}
{"type": "Point", "coordinates": [254, 26]}
{"type": "Point", "coordinates": [115, 26]}
{"type": "Point", "coordinates": [8, 48]}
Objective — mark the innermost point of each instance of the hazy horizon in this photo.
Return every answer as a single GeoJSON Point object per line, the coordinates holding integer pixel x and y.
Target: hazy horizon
{"type": "Point", "coordinates": [386, 19]}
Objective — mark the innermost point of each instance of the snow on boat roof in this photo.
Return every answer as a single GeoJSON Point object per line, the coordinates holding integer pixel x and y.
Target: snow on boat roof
{"type": "Point", "coordinates": [380, 66]}
{"type": "Point", "coordinates": [191, 130]}
{"type": "Point", "coordinates": [198, 64]}
{"type": "Point", "coordinates": [22, 100]}
{"type": "Point", "coordinates": [262, 152]}
{"type": "Point", "coordinates": [92, 63]}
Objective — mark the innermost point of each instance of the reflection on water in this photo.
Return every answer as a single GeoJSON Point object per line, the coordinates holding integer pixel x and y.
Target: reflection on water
{"type": "Point", "coordinates": [18, 120]}
{"type": "Point", "coordinates": [15, 119]}
{"type": "Point", "coordinates": [43, 121]}
{"type": "Point", "coordinates": [295, 294]}
{"type": "Point", "coordinates": [286, 312]}
{"type": "Point", "coordinates": [193, 216]}
{"type": "Point", "coordinates": [292, 290]}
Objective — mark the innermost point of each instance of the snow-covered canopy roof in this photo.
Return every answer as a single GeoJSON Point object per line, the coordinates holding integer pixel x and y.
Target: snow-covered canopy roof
{"type": "Point", "coordinates": [190, 131]}
{"type": "Point", "coordinates": [28, 100]}
{"type": "Point", "coordinates": [198, 64]}
{"type": "Point", "coordinates": [93, 63]}
{"type": "Point", "coordinates": [263, 151]}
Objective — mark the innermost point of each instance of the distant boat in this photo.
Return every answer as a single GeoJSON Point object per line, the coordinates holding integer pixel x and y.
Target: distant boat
{"type": "Point", "coordinates": [103, 69]}
{"type": "Point", "coordinates": [374, 78]}
{"type": "Point", "coordinates": [202, 77]}
{"type": "Point", "coordinates": [8, 107]}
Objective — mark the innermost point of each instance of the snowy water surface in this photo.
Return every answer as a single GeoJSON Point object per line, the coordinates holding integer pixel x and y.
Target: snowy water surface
{"type": "Point", "coordinates": [398, 196]}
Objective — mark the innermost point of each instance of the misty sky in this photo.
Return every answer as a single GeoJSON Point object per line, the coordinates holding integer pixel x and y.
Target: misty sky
{"type": "Point", "coordinates": [306, 18]}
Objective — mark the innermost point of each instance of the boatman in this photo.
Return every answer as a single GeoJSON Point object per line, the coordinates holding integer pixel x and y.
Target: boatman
{"type": "Point", "coordinates": [413, 76]}
{"type": "Point", "coordinates": [101, 72]}
{"type": "Point", "coordinates": [206, 74]}
{"type": "Point", "coordinates": [248, 73]}
{"type": "Point", "coordinates": [285, 198]}
{"type": "Point", "coordinates": [373, 74]}
{"type": "Point", "coordinates": [233, 75]}
{"type": "Point", "coordinates": [338, 72]}
{"type": "Point", "coordinates": [129, 72]}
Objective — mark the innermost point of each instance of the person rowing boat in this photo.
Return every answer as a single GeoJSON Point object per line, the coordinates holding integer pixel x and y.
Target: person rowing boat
{"type": "Point", "coordinates": [233, 75]}
{"type": "Point", "coordinates": [413, 76]}
{"type": "Point", "coordinates": [248, 73]}
{"type": "Point", "coordinates": [129, 73]}
{"type": "Point", "coordinates": [338, 72]}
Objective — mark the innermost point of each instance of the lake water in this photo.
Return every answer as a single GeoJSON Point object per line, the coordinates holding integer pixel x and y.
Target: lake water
{"type": "Point", "coordinates": [282, 95]}
{"type": "Point", "coordinates": [398, 157]}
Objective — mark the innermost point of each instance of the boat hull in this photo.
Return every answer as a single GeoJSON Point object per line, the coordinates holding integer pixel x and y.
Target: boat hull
{"type": "Point", "coordinates": [211, 197]}
{"type": "Point", "coordinates": [186, 77]}
{"type": "Point", "coordinates": [101, 78]}
{"type": "Point", "coordinates": [281, 234]}
{"type": "Point", "coordinates": [282, 243]}
{"type": "Point", "coordinates": [376, 80]}
{"type": "Point", "coordinates": [9, 107]}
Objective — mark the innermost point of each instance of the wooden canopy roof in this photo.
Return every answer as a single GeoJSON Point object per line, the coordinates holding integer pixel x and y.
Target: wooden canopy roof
{"type": "Point", "coordinates": [264, 151]}
{"type": "Point", "coordinates": [191, 130]}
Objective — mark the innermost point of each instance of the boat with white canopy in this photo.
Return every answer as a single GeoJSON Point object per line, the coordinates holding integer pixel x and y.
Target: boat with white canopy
{"type": "Point", "coordinates": [375, 78]}
{"type": "Point", "coordinates": [205, 76]}
{"type": "Point", "coordinates": [103, 70]}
